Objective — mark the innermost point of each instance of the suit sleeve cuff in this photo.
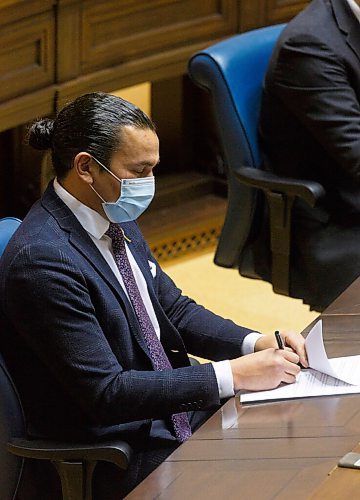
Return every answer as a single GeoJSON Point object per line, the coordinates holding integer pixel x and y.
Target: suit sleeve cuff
{"type": "Point", "coordinates": [224, 378]}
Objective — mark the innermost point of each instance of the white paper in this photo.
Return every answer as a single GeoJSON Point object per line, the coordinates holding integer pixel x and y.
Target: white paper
{"type": "Point", "coordinates": [325, 377]}
{"type": "Point", "coordinates": [346, 370]}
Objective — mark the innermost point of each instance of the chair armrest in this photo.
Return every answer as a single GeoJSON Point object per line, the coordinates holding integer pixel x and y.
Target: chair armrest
{"type": "Point", "coordinates": [309, 191]}
{"type": "Point", "coordinates": [116, 452]}
{"type": "Point", "coordinates": [280, 193]}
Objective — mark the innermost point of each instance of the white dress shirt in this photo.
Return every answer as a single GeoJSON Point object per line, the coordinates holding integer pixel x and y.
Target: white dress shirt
{"type": "Point", "coordinates": [96, 226]}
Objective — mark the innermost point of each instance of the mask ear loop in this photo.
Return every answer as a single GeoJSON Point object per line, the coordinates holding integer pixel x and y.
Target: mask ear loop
{"type": "Point", "coordinates": [108, 170]}
{"type": "Point", "coordinates": [99, 195]}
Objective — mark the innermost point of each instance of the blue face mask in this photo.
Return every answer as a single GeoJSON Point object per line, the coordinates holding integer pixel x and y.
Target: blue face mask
{"type": "Point", "coordinates": [135, 197]}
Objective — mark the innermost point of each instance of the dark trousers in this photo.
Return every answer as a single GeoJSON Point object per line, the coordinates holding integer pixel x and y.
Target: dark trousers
{"type": "Point", "coordinates": [40, 480]}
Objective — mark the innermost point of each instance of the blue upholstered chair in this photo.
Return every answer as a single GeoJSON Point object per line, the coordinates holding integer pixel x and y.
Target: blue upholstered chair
{"type": "Point", "coordinates": [232, 71]}
{"type": "Point", "coordinates": [8, 226]}
{"type": "Point", "coordinates": [74, 462]}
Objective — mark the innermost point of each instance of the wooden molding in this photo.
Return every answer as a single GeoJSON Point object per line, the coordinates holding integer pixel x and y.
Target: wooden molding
{"type": "Point", "coordinates": [15, 10]}
{"type": "Point", "coordinates": [27, 61]}
{"type": "Point", "coordinates": [74, 46]}
{"type": "Point", "coordinates": [23, 109]}
{"type": "Point", "coordinates": [251, 14]}
{"type": "Point", "coordinates": [68, 36]}
{"type": "Point", "coordinates": [278, 11]}
{"type": "Point", "coordinates": [153, 68]}
{"type": "Point", "coordinates": [110, 35]}
{"type": "Point", "coordinates": [256, 13]}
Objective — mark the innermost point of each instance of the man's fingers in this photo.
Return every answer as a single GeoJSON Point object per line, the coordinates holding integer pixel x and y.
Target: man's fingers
{"type": "Point", "coordinates": [297, 343]}
{"type": "Point", "coordinates": [291, 356]}
{"type": "Point", "coordinates": [288, 378]}
{"type": "Point", "coordinates": [303, 357]}
{"type": "Point", "coordinates": [291, 367]}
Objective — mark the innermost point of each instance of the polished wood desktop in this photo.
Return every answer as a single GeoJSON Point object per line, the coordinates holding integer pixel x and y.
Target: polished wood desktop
{"type": "Point", "coordinates": [281, 450]}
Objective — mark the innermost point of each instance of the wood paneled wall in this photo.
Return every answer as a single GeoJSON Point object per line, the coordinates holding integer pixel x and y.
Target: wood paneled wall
{"type": "Point", "coordinates": [256, 13]}
{"type": "Point", "coordinates": [53, 50]}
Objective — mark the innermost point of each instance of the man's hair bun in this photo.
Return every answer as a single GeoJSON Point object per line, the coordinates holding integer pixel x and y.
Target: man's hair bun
{"type": "Point", "coordinates": [41, 133]}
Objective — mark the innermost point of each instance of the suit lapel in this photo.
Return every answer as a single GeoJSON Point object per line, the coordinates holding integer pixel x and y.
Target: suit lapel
{"type": "Point", "coordinates": [80, 240]}
{"type": "Point", "coordinates": [348, 24]}
{"type": "Point", "coordinates": [169, 335]}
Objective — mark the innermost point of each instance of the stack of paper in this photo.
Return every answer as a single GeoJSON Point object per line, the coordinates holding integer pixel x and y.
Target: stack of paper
{"type": "Point", "coordinates": [324, 377]}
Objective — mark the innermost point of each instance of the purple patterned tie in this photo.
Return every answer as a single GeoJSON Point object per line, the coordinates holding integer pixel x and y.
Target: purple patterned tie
{"type": "Point", "coordinates": [158, 356]}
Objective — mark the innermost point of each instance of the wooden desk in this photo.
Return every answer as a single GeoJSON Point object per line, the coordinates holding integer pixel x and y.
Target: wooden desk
{"type": "Point", "coordinates": [341, 483]}
{"type": "Point", "coordinates": [273, 450]}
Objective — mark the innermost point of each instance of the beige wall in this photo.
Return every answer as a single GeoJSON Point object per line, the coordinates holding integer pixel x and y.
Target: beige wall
{"type": "Point", "coordinates": [137, 94]}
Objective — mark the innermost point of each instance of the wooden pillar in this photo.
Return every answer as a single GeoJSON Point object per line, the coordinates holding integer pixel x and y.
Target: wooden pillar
{"type": "Point", "coordinates": [6, 174]}
{"type": "Point", "coordinates": [167, 111]}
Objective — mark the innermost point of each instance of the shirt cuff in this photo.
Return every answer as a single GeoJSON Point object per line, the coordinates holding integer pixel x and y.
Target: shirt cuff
{"type": "Point", "coordinates": [224, 378]}
{"type": "Point", "coordinates": [223, 371]}
{"type": "Point", "coordinates": [248, 345]}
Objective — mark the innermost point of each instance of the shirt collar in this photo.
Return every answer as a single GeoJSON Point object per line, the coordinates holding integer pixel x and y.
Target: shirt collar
{"type": "Point", "coordinates": [91, 221]}
{"type": "Point", "coordinates": [355, 8]}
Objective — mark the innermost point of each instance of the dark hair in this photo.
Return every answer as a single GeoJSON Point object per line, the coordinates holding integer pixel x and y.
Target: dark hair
{"type": "Point", "coordinates": [90, 123]}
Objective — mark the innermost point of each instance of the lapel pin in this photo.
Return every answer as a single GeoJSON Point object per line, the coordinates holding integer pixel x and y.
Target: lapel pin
{"type": "Point", "coordinates": [125, 237]}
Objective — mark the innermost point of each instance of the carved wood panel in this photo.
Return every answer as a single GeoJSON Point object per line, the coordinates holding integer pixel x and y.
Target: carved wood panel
{"type": "Point", "coordinates": [113, 35]}
{"type": "Point", "coordinates": [53, 50]}
{"type": "Point", "coordinates": [278, 11]}
{"type": "Point", "coordinates": [256, 13]}
{"type": "Point", "coordinates": [27, 61]}
{"type": "Point", "coordinates": [142, 40]}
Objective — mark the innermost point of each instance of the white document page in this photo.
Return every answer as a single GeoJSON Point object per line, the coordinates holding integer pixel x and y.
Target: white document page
{"type": "Point", "coordinates": [325, 377]}
{"type": "Point", "coordinates": [346, 369]}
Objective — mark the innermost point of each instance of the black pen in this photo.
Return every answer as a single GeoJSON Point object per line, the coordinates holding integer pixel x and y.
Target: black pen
{"type": "Point", "coordinates": [281, 344]}
{"type": "Point", "coordinates": [279, 340]}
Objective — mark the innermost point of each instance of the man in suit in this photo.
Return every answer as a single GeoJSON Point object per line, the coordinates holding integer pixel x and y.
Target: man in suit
{"type": "Point", "coordinates": [310, 128]}
{"type": "Point", "coordinates": [94, 332]}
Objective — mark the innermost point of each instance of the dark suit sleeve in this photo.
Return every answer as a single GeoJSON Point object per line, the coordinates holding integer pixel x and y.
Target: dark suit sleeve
{"type": "Point", "coordinates": [204, 333]}
{"type": "Point", "coordinates": [48, 302]}
{"type": "Point", "coordinates": [315, 85]}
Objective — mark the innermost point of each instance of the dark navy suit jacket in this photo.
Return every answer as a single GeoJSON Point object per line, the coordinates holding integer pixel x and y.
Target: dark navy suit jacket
{"type": "Point", "coordinates": [310, 120]}
{"type": "Point", "coordinates": [310, 129]}
{"type": "Point", "coordinates": [73, 344]}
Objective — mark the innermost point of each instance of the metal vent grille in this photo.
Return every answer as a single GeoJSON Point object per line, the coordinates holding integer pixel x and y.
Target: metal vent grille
{"type": "Point", "coordinates": [185, 244]}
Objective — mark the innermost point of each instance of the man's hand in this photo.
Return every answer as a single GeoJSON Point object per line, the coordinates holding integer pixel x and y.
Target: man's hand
{"type": "Point", "coordinates": [264, 369]}
{"type": "Point", "coordinates": [293, 341]}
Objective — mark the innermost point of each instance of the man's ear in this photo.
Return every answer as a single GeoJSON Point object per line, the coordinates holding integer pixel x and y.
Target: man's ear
{"type": "Point", "coordinates": [84, 167]}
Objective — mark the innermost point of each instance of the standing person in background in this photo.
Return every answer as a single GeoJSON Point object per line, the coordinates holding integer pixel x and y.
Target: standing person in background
{"type": "Point", "coordinates": [310, 128]}
{"type": "Point", "coordinates": [94, 332]}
